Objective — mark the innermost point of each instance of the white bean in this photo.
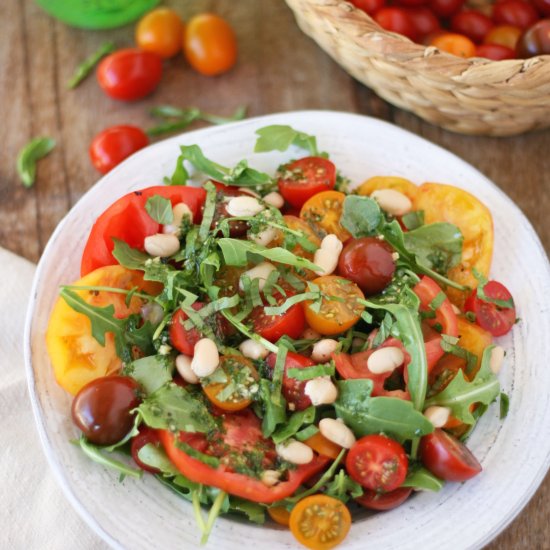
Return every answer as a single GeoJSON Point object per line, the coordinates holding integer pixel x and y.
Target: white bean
{"type": "Point", "coordinates": [260, 272]}
{"type": "Point", "coordinates": [337, 432]}
{"type": "Point", "coordinates": [497, 358]}
{"type": "Point", "coordinates": [270, 477]}
{"type": "Point", "coordinates": [264, 237]}
{"type": "Point", "coordinates": [183, 366]}
{"type": "Point", "coordinates": [385, 359]}
{"type": "Point", "coordinates": [205, 357]}
{"type": "Point", "coordinates": [392, 201]}
{"type": "Point", "coordinates": [274, 199]}
{"type": "Point", "coordinates": [244, 206]}
{"type": "Point", "coordinates": [161, 245]}
{"type": "Point", "coordinates": [326, 257]}
{"type": "Point", "coordinates": [152, 312]}
{"type": "Point", "coordinates": [438, 416]}
{"type": "Point", "coordinates": [253, 350]}
{"type": "Point", "coordinates": [295, 452]}
{"type": "Point", "coordinates": [323, 349]}
{"type": "Point", "coordinates": [321, 391]}
{"type": "Point", "coordinates": [179, 211]}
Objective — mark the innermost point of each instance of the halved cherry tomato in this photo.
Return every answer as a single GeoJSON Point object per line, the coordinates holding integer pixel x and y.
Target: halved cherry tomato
{"type": "Point", "coordinates": [494, 318]}
{"type": "Point", "coordinates": [518, 13]}
{"type": "Point", "coordinates": [445, 318]}
{"type": "Point", "coordinates": [495, 52]}
{"type": "Point", "coordinates": [160, 31]}
{"type": "Point", "coordinates": [305, 177]}
{"type": "Point", "coordinates": [182, 339]}
{"type": "Point", "coordinates": [293, 390]}
{"type": "Point", "coordinates": [279, 514]}
{"type": "Point", "coordinates": [396, 20]}
{"type": "Point", "coordinates": [209, 44]}
{"type": "Point", "coordinates": [377, 462]}
{"type": "Point", "coordinates": [447, 458]}
{"type": "Point", "coordinates": [323, 212]}
{"type": "Point", "coordinates": [320, 522]}
{"type": "Point", "coordinates": [505, 35]}
{"type": "Point", "coordinates": [76, 356]}
{"type": "Point", "coordinates": [396, 183]}
{"type": "Point", "coordinates": [111, 146]}
{"type": "Point", "coordinates": [472, 23]}
{"type": "Point", "coordinates": [126, 219]}
{"type": "Point", "coordinates": [340, 308]}
{"type": "Point", "coordinates": [129, 74]}
{"type": "Point", "coordinates": [240, 372]}
{"type": "Point", "coordinates": [146, 435]}
{"type": "Point", "coordinates": [374, 500]}
{"type": "Point", "coordinates": [323, 446]}
{"type": "Point", "coordinates": [455, 44]}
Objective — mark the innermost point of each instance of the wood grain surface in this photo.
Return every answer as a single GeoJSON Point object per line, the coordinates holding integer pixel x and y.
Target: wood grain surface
{"type": "Point", "coordinates": [279, 69]}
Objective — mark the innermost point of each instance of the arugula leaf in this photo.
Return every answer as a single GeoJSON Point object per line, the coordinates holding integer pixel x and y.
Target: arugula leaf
{"type": "Point", "coordinates": [343, 487]}
{"type": "Point", "coordinates": [151, 372]}
{"type": "Point", "coordinates": [361, 215]}
{"type": "Point", "coordinates": [29, 155]}
{"type": "Point", "coordinates": [278, 137]}
{"type": "Point", "coordinates": [95, 453]}
{"type": "Point", "coordinates": [155, 457]}
{"type": "Point", "coordinates": [87, 66]}
{"type": "Point", "coordinates": [129, 257]}
{"type": "Point", "coordinates": [160, 209]}
{"type": "Point", "coordinates": [294, 424]}
{"type": "Point", "coordinates": [254, 511]}
{"type": "Point", "coordinates": [421, 479]}
{"type": "Point", "coordinates": [413, 220]}
{"type": "Point", "coordinates": [461, 394]}
{"type": "Point", "coordinates": [308, 373]}
{"type": "Point", "coordinates": [274, 413]}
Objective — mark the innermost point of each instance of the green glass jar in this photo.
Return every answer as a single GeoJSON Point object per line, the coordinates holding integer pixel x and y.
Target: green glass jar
{"type": "Point", "coordinates": [97, 14]}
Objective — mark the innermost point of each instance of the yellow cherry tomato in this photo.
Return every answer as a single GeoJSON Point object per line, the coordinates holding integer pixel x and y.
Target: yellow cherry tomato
{"type": "Point", "coordinates": [160, 32]}
{"type": "Point", "coordinates": [279, 514]}
{"type": "Point", "coordinates": [323, 212]}
{"type": "Point", "coordinates": [323, 446]}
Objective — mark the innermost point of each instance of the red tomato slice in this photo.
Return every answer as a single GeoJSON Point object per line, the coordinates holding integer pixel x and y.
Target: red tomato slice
{"type": "Point", "coordinates": [493, 318]}
{"type": "Point", "coordinates": [306, 177]}
{"type": "Point", "coordinates": [241, 433]}
{"type": "Point", "coordinates": [146, 435]}
{"type": "Point", "coordinates": [445, 318]}
{"type": "Point", "coordinates": [184, 340]}
{"type": "Point", "coordinates": [448, 458]}
{"type": "Point", "coordinates": [384, 501]}
{"type": "Point", "coordinates": [127, 219]}
{"type": "Point", "coordinates": [293, 390]}
{"type": "Point", "coordinates": [377, 463]}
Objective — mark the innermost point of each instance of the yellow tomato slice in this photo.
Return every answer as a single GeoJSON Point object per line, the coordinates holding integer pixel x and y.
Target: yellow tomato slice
{"type": "Point", "coordinates": [474, 339]}
{"type": "Point", "coordinates": [446, 203]}
{"type": "Point", "coordinates": [323, 212]}
{"type": "Point", "coordinates": [396, 183]}
{"type": "Point", "coordinates": [76, 356]}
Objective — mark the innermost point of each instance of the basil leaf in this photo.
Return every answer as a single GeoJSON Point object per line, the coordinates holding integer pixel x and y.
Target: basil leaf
{"type": "Point", "coordinates": [279, 137]}
{"type": "Point", "coordinates": [361, 215]}
{"type": "Point", "coordinates": [291, 301]}
{"type": "Point", "coordinates": [421, 479]}
{"type": "Point", "coordinates": [451, 347]}
{"type": "Point", "coordinates": [306, 433]}
{"type": "Point", "coordinates": [413, 220]}
{"type": "Point", "coordinates": [160, 209]}
{"type": "Point", "coordinates": [308, 373]}
{"type": "Point", "coordinates": [274, 413]}
{"type": "Point", "coordinates": [29, 155]}
{"type": "Point", "coordinates": [294, 424]}
{"type": "Point", "coordinates": [482, 295]}
{"type": "Point", "coordinates": [151, 372]}
{"type": "Point", "coordinates": [504, 405]}
{"type": "Point", "coordinates": [129, 257]}
{"type": "Point", "coordinates": [87, 66]}
{"type": "Point", "coordinates": [343, 487]}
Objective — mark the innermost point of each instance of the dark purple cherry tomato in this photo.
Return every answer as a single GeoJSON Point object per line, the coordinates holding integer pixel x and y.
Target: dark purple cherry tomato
{"type": "Point", "coordinates": [101, 409]}
{"type": "Point", "coordinates": [515, 12]}
{"type": "Point", "coordinates": [424, 21]}
{"type": "Point", "coordinates": [146, 435]}
{"type": "Point", "coordinates": [473, 24]}
{"type": "Point", "coordinates": [495, 52]}
{"type": "Point", "coordinates": [369, 6]}
{"type": "Point", "coordinates": [445, 8]}
{"type": "Point", "coordinates": [396, 20]}
{"type": "Point", "coordinates": [367, 262]}
{"type": "Point", "coordinates": [535, 40]}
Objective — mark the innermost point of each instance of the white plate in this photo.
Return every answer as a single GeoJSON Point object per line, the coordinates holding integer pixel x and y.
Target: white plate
{"type": "Point", "coordinates": [515, 453]}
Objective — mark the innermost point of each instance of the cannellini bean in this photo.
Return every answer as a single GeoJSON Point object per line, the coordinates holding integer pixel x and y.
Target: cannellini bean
{"type": "Point", "coordinates": [253, 350]}
{"type": "Point", "coordinates": [392, 201]}
{"type": "Point", "coordinates": [274, 199]}
{"type": "Point", "coordinates": [323, 349]}
{"type": "Point", "coordinates": [264, 237]}
{"type": "Point", "coordinates": [295, 452]}
{"type": "Point", "coordinates": [183, 366]}
{"type": "Point", "coordinates": [179, 211]}
{"type": "Point", "coordinates": [321, 391]}
{"type": "Point", "coordinates": [438, 416]}
{"type": "Point", "coordinates": [244, 206]}
{"type": "Point", "coordinates": [152, 312]}
{"type": "Point", "coordinates": [326, 257]}
{"type": "Point", "coordinates": [497, 358]}
{"type": "Point", "coordinates": [385, 359]}
{"type": "Point", "coordinates": [248, 191]}
{"type": "Point", "coordinates": [270, 477]}
{"type": "Point", "coordinates": [161, 245]}
{"type": "Point", "coordinates": [337, 432]}
{"type": "Point", "coordinates": [205, 357]}
{"type": "Point", "coordinates": [261, 272]}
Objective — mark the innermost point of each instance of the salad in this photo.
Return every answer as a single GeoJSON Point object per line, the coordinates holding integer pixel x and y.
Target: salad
{"type": "Point", "coordinates": [275, 346]}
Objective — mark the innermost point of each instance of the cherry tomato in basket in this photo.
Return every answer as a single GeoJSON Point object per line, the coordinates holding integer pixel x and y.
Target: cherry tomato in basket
{"type": "Point", "coordinates": [323, 211]}
{"type": "Point", "coordinates": [381, 502]}
{"type": "Point", "coordinates": [293, 390]}
{"type": "Point", "coordinates": [445, 8]}
{"type": "Point", "coordinates": [472, 23]}
{"type": "Point", "coordinates": [368, 262]}
{"type": "Point", "coordinates": [495, 52]}
{"type": "Point", "coordinates": [504, 35]}
{"type": "Point", "coordinates": [369, 6]}
{"type": "Point", "coordinates": [377, 462]}
{"type": "Point", "coordinates": [535, 40]}
{"type": "Point", "coordinates": [111, 146]}
{"type": "Point", "coordinates": [101, 409]}
{"type": "Point", "coordinates": [305, 177]}
{"type": "Point", "coordinates": [497, 318]}
{"type": "Point", "coordinates": [543, 6]}
{"type": "Point", "coordinates": [126, 219]}
{"type": "Point", "coordinates": [411, 3]}
{"type": "Point", "coordinates": [518, 13]}
{"type": "Point", "coordinates": [76, 356]}
{"type": "Point", "coordinates": [146, 436]}
{"type": "Point", "coordinates": [209, 44]}
{"type": "Point", "coordinates": [425, 23]}
{"type": "Point", "coordinates": [160, 31]}
{"type": "Point", "coordinates": [455, 44]}
{"type": "Point", "coordinates": [129, 74]}
{"type": "Point", "coordinates": [447, 458]}
{"type": "Point", "coordinates": [320, 522]}
{"type": "Point", "coordinates": [396, 20]}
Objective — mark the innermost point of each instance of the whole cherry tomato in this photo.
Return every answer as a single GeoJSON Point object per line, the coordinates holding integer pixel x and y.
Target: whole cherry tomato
{"type": "Point", "coordinates": [129, 74]}
{"type": "Point", "coordinates": [456, 44]}
{"type": "Point", "coordinates": [424, 21]}
{"type": "Point", "coordinates": [381, 502]}
{"type": "Point", "coordinates": [535, 40]}
{"type": "Point", "coordinates": [543, 6]}
{"type": "Point", "coordinates": [412, 3]}
{"type": "Point", "coordinates": [210, 45]}
{"type": "Point", "coordinates": [445, 8]}
{"type": "Point", "coordinates": [396, 20]}
{"type": "Point", "coordinates": [505, 35]}
{"type": "Point", "coordinates": [161, 32]}
{"type": "Point", "coordinates": [146, 435]}
{"type": "Point", "coordinates": [369, 6]}
{"type": "Point", "coordinates": [111, 146]}
{"type": "Point", "coordinates": [473, 24]}
{"type": "Point", "coordinates": [495, 52]}
{"type": "Point", "coordinates": [515, 12]}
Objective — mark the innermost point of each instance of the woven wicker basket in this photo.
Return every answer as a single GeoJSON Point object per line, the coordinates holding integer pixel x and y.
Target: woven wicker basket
{"type": "Point", "coordinates": [470, 96]}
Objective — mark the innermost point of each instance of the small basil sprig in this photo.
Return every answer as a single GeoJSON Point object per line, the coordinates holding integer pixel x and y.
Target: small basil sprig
{"type": "Point", "coordinates": [278, 137]}
{"type": "Point", "coordinates": [28, 156]}
{"type": "Point", "coordinates": [86, 67]}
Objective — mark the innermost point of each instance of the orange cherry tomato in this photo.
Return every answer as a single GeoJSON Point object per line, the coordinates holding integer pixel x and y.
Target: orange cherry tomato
{"type": "Point", "coordinates": [338, 314]}
{"type": "Point", "coordinates": [505, 35]}
{"type": "Point", "coordinates": [396, 183]}
{"type": "Point", "coordinates": [235, 393]}
{"type": "Point", "coordinates": [210, 44]}
{"type": "Point", "coordinates": [323, 211]}
{"type": "Point", "coordinates": [279, 514]}
{"type": "Point", "coordinates": [323, 446]}
{"type": "Point", "coordinates": [455, 44]}
{"type": "Point", "coordinates": [320, 522]}
{"type": "Point", "coordinates": [160, 31]}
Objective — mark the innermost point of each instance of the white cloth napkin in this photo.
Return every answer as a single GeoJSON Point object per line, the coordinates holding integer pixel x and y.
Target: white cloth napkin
{"type": "Point", "coordinates": [35, 513]}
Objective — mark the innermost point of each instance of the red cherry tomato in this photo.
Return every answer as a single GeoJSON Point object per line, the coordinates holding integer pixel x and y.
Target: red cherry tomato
{"type": "Point", "coordinates": [293, 390]}
{"type": "Point", "coordinates": [535, 40]}
{"type": "Point", "coordinates": [114, 144]}
{"type": "Point", "coordinates": [473, 24]}
{"type": "Point", "coordinates": [129, 74]}
{"type": "Point", "coordinates": [448, 458]}
{"type": "Point", "coordinates": [424, 21]}
{"type": "Point", "coordinates": [369, 6]}
{"type": "Point", "coordinates": [182, 339]}
{"type": "Point", "coordinates": [384, 501]}
{"type": "Point", "coordinates": [411, 3]}
{"type": "Point", "coordinates": [445, 8]}
{"type": "Point", "coordinates": [496, 52]}
{"type": "Point", "coordinates": [396, 20]}
{"type": "Point", "coordinates": [306, 177]}
{"type": "Point", "coordinates": [146, 435]}
{"type": "Point", "coordinates": [543, 6]}
{"type": "Point", "coordinates": [367, 262]}
{"type": "Point", "coordinates": [101, 409]}
{"type": "Point", "coordinates": [492, 317]}
{"type": "Point", "coordinates": [515, 12]}
{"type": "Point", "coordinates": [377, 462]}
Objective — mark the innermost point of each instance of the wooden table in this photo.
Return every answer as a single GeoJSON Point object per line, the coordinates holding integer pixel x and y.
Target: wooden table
{"type": "Point", "coordinates": [279, 69]}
